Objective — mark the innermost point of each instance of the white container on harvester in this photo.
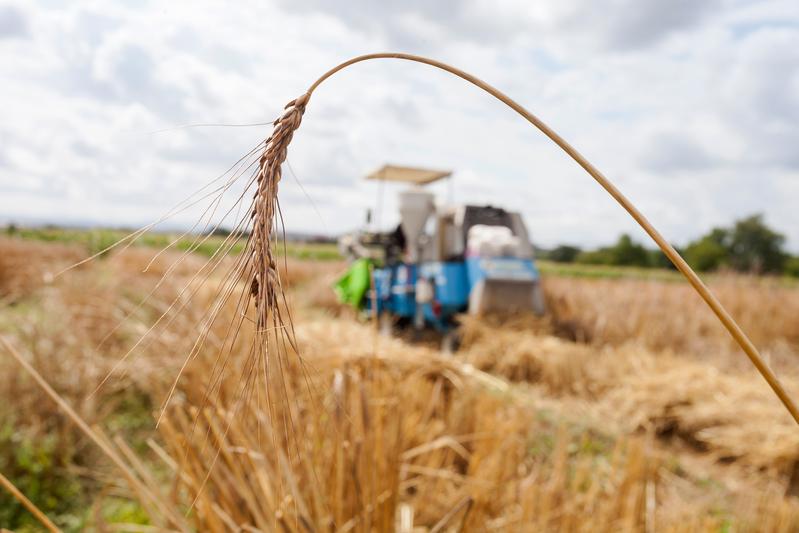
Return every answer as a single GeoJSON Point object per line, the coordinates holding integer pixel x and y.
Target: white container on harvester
{"type": "Point", "coordinates": [415, 207]}
{"type": "Point", "coordinates": [424, 291]}
{"type": "Point", "coordinates": [491, 241]}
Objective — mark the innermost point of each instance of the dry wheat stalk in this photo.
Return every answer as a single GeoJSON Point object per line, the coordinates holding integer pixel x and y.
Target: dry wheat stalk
{"type": "Point", "coordinates": [261, 262]}
{"type": "Point", "coordinates": [29, 505]}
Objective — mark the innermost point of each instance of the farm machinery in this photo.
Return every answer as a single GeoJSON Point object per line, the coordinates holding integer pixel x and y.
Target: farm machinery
{"type": "Point", "coordinates": [440, 260]}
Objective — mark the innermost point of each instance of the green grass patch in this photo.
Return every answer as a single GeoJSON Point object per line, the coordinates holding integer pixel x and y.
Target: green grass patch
{"type": "Point", "coordinates": [96, 240]}
{"type": "Point", "coordinates": [37, 464]}
{"type": "Point", "coordinates": [578, 270]}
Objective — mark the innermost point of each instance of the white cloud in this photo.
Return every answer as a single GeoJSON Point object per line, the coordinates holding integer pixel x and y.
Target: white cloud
{"type": "Point", "coordinates": [12, 23]}
{"type": "Point", "coordinates": [691, 107]}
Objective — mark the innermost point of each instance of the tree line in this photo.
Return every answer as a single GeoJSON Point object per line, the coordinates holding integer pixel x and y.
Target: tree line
{"type": "Point", "coordinates": [748, 245]}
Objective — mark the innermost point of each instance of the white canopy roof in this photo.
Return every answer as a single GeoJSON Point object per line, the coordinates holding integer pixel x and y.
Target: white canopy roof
{"type": "Point", "coordinates": [418, 176]}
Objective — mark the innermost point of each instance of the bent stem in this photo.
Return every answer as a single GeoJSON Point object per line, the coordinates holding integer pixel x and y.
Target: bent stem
{"type": "Point", "coordinates": [144, 492]}
{"type": "Point", "coordinates": [704, 292]}
{"type": "Point", "coordinates": [29, 505]}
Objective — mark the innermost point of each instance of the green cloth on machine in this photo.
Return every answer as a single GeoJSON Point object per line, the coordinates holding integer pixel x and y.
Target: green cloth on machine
{"type": "Point", "coordinates": [354, 284]}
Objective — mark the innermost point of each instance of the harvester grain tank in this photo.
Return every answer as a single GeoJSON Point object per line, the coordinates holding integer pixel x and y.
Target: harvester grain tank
{"type": "Point", "coordinates": [440, 261]}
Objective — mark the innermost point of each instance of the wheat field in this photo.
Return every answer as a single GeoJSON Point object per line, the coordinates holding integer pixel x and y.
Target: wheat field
{"type": "Point", "coordinates": [625, 409]}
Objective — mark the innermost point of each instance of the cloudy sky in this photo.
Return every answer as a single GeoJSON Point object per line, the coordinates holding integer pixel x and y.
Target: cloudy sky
{"type": "Point", "coordinates": [691, 107]}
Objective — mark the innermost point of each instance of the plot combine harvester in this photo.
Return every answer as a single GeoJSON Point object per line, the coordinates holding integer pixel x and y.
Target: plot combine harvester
{"type": "Point", "coordinates": [440, 261]}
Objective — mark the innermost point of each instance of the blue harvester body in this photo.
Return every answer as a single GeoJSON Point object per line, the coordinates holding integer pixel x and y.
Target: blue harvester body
{"type": "Point", "coordinates": [452, 283]}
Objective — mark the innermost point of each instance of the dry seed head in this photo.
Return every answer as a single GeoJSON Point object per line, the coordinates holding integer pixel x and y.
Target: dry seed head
{"type": "Point", "coordinates": [264, 282]}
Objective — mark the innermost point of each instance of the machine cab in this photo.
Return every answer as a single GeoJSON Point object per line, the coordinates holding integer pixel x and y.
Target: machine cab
{"type": "Point", "coordinates": [445, 260]}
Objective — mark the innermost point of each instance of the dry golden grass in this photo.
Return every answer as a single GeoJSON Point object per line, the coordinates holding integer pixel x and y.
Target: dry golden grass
{"type": "Point", "coordinates": [415, 439]}
{"type": "Point", "coordinates": [600, 436]}
{"type": "Point", "coordinates": [25, 266]}
{"type": "Point", "coordinates": [631, 388]}
{"type": "Point", "coordinates": [669, 315]}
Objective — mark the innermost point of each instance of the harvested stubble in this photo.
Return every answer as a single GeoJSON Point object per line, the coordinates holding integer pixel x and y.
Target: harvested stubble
{"type": "Point", "coordinates": [666, 315]}
{"type": "Point", "coordinates": [60, 325]}
{"type": "Point", "coordinates": [79, 327]}
{"type": "Point", "coordinates": [630, 387]}
{"type": "Point", "coordinates": [70, 328]}
{"type": "Point", "coordinates": [25, 266]}
{"type": "Point", "coordinates": [408, 438]}
{"type": "Point", "coordinates": [377, 440]}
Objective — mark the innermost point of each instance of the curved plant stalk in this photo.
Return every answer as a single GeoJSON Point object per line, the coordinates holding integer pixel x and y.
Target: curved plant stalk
{"type": "Point", "coordinates": [29, 505]}
{"type": "Point", "coordinates": [262, 273]}
{"type": "Point", "coordinates": [154, 502]}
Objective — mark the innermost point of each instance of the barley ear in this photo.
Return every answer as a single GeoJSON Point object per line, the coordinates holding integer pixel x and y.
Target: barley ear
{"type": "Point", "coordinates": [261, 267]}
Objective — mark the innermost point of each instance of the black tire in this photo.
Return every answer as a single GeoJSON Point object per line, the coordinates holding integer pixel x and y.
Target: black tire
{"type": "Point", "coordinates": [451, 341]}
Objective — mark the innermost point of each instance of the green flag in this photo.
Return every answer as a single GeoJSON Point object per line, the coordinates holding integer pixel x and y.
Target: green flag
{"type": "Point", "coordinates": [352, 286]}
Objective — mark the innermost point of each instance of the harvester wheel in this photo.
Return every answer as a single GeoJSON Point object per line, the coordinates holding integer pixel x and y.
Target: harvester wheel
{"type": "Point", "coordinates": [386, 324]}
{"type": "Point", "coordinates": [451, 341]}
{"type": "Point", "coordinates": [539, 306]}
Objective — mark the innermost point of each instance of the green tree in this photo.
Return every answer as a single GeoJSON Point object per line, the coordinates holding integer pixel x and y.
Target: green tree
{"type": "Point", "coordinates": [625, 252]}
{"type": "Point", "coordinates": [600, 256]}
{"type": "Point", "coordinates": [792, 267]}
{"type": "Point", "coordinates": [564, 253]}
{"type": "Point", "coordinates": [749, 246]}
{"type": "Point", "coordinates": [754, 247]}
{"type": "Point", "coordinates": [709, 252]}
{"type": "Point", "coordinates": [657, 259]}
{"type": "Point", "coordinates": [628, 252]}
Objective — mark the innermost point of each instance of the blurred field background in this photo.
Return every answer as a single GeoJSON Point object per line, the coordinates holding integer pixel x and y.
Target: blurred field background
{"type": "Point", "coordinates": [626, 408]}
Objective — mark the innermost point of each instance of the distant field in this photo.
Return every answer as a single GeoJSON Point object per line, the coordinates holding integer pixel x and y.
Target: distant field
{"type": "Point", "coordinates": [578, 270]}
{"type": "Point", "coordinates": [96, 240]}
